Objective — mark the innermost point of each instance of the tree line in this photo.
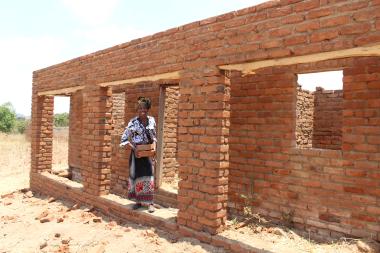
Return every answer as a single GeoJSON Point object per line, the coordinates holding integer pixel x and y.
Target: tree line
{"type": "Point", "coordinates": [11, 123]}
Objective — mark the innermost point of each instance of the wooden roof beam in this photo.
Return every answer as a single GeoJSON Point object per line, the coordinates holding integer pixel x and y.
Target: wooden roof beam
{"type": "Point", "coordinates": [63, 91]}
{"type": "Point", "coordinates": [250, 67]}
{"type": "Point", "coordinates": [153, 78]}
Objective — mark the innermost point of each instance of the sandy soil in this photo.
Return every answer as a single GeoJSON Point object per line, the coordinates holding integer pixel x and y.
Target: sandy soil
{"type": "Point", "coordinates": [274, 238]}
{"type": "Point", "coordinates": [32, 224]}
{"type": "Point", "coordinates": [170, 185]}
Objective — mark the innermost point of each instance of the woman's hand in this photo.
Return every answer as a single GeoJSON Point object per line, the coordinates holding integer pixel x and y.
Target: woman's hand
{"type": "Point", "coordinates": [130, 146]}
{"type": "Point", "coordinates": [154, 147]}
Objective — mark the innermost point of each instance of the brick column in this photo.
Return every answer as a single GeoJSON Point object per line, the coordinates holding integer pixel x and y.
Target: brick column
{"type": "Point", "coordinates": [203, 129]}
{"type": "Point", "coordinates": [75, 130]}
{"type": "Point", "coordinates": [42, 133]}
{"type": "Point", "coordinates": [361, 145]}
{"type": "Point", "coordinates": [96, 140]}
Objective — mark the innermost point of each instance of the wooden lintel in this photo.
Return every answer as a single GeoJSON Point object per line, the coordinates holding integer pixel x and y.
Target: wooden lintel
{"type": "Point", "coordinates": [64, 91]}
{"type": "Point", "coordinates": [152, 78]}
{"type": "Point", "coordinates": [250, 67]}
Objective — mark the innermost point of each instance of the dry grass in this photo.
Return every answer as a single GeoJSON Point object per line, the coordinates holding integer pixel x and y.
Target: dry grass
{"type": "Point", "coordinates": [15, 158]}
{"type": "Point", "coordinates": [170, 184]}
{"type": "Point", "coordinates": [60, 148]}
{"type": "Point", "coordinates": [14, 155]}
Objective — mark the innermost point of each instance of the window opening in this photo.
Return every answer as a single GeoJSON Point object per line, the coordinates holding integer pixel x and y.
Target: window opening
{"type": "Point", "coordinates": [319, 110]}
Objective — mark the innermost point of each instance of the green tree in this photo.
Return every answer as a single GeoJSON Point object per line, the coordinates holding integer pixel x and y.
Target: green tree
{"type": "Point", "coordinates": [61, 119]}
{"type": "Point", "coordinates": [7, 117]}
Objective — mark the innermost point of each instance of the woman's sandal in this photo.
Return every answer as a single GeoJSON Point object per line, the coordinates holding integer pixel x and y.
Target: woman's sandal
{"type": "Point", "coordinates": [151, 208]}
{"type": "Point", "coordinates": [136, 206]}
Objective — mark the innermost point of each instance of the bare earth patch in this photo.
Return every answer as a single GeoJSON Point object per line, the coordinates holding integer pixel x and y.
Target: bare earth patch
{"type": "Point", "coordinates": [274, 238]}
{"type": "Point", "coordinates": [171, 185]}
{"type": "Point", "coordinates": [32, 224]}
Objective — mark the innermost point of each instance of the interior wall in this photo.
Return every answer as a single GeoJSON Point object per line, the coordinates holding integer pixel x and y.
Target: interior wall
{"type": "Point", "coordinates": [304, 118]}
{"type": "Point", "coordinates": [75, 135]}
{"type": "Point", "coordinates": [328, 116]}
{"type": "Point", "coordinates": [170, 163]}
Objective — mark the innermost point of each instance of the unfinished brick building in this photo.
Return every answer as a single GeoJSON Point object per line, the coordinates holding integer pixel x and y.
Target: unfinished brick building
{"type": "Point", "coordinates": [232, 80]}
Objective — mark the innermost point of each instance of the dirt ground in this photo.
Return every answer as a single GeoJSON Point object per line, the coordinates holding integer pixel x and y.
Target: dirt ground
{"type": "Point", "coordinates": [275, 238]}
{"type": "Point", "coordinates": [32, 224]}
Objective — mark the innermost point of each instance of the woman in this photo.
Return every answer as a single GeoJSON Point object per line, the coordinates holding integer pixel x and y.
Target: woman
{"type": "Point", "coordinates": [140, 130]}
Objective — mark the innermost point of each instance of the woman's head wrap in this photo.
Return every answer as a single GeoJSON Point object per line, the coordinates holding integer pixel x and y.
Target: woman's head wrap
{"type": "Point", "coordinates": [144, 102]}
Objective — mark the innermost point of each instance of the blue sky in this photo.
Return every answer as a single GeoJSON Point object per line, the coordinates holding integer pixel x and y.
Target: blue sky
{"type": "Point", "coordinates": [36, 34]}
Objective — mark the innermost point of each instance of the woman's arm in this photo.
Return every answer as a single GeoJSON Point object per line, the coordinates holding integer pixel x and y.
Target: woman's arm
{"type": "Point", "coordinates": [125, 138]}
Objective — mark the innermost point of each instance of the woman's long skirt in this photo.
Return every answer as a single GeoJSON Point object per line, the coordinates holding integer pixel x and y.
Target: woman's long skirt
{"type": "Point", "coordinates": [141, 179]}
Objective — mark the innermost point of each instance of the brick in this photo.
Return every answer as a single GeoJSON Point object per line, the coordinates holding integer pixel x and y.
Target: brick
{"type": "Point", "coordinates": [355, 28]}
{"type": "Point", "coordinates": [373, 210]}
{"type": "Point", "coordinates": [293, 19]}
{"type": "Point", "coordinates": [306, 5]}
{"type": "Point", "coordinates": [271, 44]}
{"type": "Point", "coordinates": [335, 21]}
{"type": "Point", "coordinates": [354, 190]}
{"type": "Point", "coordinates": [329, 217]}
{"type": "Point", "coordinates": [324, 35]}
{"type": "Point", "coordinates": [280, 32]}
{"type": "Point", "coordinates": [367, 39]}
{"type": "Point", "coordinates": [295, 40]}
{"type": "Point", "coordinates": [307, 26]}
{"type": "Point", "coordinates": [364, 217]}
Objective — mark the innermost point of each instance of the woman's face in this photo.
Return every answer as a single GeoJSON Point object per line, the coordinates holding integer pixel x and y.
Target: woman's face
{"type": "Point", "coordinates": [142, 111]}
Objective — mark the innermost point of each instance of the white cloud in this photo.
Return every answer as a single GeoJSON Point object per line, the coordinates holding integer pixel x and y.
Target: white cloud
{"type": "Point", "coordinates": [92, 12]}
{"type": "Point", "coordinates": [104, 36]}
{"type": "Point", "coordinates": [240, 4]}
{"type": "Point", "coordinates": [20, 56]}
{"type": "Point", "coordinates": [329, 80]}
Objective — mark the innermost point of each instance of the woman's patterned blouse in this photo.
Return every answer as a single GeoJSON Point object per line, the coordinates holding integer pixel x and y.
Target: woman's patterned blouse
{"type": "Point", "coordinates": [136, 133]}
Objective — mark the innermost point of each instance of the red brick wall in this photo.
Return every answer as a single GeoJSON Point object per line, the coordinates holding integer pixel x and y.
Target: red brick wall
{"type": "Point", "coordinates": [328, 114]}
{"type": "Point", "coordinates": [361, 147]}
{"type": "Point", "coordinates": [271, 30]}
{"type": "Point", "coordinates": [262, 141]}
{"type": "Point", "coordinates": [170, 163]}
{"type": "Point", "coordinates": [262, 131]}
{"type": "Point", "coordinates": [328, 192]}
{"type": "Point", "coordinates": [96, 140]}
{"type": "Point", "coordinates": [203, 127]}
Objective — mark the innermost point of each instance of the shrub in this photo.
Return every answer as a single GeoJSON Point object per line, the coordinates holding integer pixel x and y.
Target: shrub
{"type": "Point", "coordinates": [61, 119]}
{"type": "Point", "coordinates": [7, 117]}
